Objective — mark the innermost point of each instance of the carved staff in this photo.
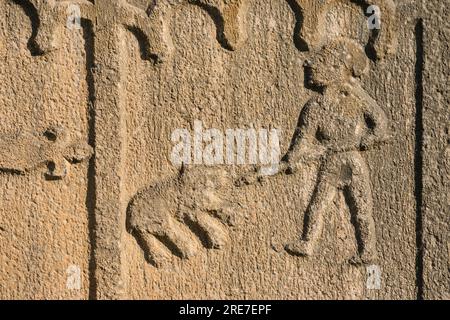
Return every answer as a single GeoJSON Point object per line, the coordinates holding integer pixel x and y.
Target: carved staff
{"type": "Point", "coordinates": [109, 19]}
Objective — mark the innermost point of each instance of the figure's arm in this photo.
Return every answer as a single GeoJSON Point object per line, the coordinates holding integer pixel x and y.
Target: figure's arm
{"type": "Point", "coordinates": [376, 119]}
{"type": "Point", "coordinates": [344, 145]}
{"type": "Point", "coordinates": [304, 146]}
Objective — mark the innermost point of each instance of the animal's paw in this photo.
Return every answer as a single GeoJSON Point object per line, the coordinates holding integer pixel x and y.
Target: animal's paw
{"type": "Point", "coordinates": [210, 231]}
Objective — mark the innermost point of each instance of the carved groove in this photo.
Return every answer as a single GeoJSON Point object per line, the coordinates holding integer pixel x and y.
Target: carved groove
{"type": "Point", "coordinates": [298, 13]}
{"type": "Point", "coordinates": [218, 20]}
{"type": "Point", "coordinates": [419, 130]}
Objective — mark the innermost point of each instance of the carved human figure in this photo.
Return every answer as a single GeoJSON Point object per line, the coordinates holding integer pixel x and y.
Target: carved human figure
{"type": "Point", "coordinates": [334, 128]}
{"type": "Point", "coordinates": [170, 217]}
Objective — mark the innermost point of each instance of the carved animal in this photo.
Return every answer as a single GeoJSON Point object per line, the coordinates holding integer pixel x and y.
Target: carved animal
{"type": "Point", "coordinates": [334, 128]}
{"type": "Point", "coordinates": [169, 218]}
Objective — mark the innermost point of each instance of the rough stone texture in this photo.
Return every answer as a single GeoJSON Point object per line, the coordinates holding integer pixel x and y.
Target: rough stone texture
{"type": "Point", "coordinates": [88, 183]}
{"type": "Point", "coordinates": [44, 222]}
{"type": "Point", "coordinates": [436, 151]}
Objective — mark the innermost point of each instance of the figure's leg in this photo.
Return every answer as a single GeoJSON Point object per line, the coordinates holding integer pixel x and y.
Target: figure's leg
{"type": "Point", "coordinates": [321, 200]}
{"type": "Point", "coordinates": [359, 199]}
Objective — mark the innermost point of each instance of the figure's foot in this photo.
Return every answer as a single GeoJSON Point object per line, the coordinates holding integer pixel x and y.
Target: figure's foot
{"type": "Point", "coordinates": [300, 248]}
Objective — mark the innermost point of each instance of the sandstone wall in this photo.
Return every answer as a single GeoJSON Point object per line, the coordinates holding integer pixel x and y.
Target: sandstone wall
{"type": "Point", "coordinates": [93, 97]}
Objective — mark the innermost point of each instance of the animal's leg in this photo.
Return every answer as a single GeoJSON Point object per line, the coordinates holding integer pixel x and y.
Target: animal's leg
{"type": "Point", "coordinates": [155, 252]}
{"type": "Point", "coordinates": [179, 240]}
{"type": "Point", "coordinates": [209, 229]}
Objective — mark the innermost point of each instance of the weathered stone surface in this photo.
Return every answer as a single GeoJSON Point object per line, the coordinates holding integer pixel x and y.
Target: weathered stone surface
{"type": "Point", "coordinates": [436, 151]}
{"type": "Point", "coordinates": [44, 222]}
{"type": "Point", "coordinates": [94, 97]}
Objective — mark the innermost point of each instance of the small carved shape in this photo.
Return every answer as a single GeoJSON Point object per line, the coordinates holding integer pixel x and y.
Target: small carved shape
{"type": "Point", "coordinates": [333, 129]}
{"type": "Point", "coordinates": [384, 41]}
{"type": "Point", "coordinates": [26, 152]}
{"type": "Point", "coordinates": [312, 31]}
{"type": "Point", "coordinates": [50, 20]}
{"type": "Point", "coordinates": [53, 16]}
{"type": "Point", "coordinates": [228, 16]}
{"type": "Point", "coordinates": [152, 25]}
{"type": "Point", "coordinates": [232, 12]}
{"type": "Point", "coordinates": [166, 218]}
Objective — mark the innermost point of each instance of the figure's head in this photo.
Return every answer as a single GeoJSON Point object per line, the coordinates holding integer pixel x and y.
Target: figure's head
{"type": "Point", "coordinates": [338, 61]}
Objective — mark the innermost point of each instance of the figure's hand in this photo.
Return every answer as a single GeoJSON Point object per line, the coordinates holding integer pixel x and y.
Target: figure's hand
{"type": "Point", "coordinates": [307, 153]}
{"type": "Point", "coordinates": [371, 140]}
{"type": "Point", "coordinates": [367, 142]}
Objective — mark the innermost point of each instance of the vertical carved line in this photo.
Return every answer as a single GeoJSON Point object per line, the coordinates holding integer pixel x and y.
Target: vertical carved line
{"type": "Point", "coordinates": [418, 158]}
{"type": "Point", "coordinates": [88, 34]}
{"type": "Point", "coordinates": [299, 43]}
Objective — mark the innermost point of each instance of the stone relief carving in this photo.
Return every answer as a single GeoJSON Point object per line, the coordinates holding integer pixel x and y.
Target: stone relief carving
{"type": "Point", "coordinates": [26, 151]}
{"type": "Point", "coordinates": [334, 129]}
{"type": "Point", "coordinates": [228, 16]}
{"type": "Point", "coordinates": [49, 17]}
{"type": "Point", "coordinates": [164, 226]}
{"type": "Point", "coordinates": [166, 218]}
{"type": "Point", "coordinates": [152, 24]}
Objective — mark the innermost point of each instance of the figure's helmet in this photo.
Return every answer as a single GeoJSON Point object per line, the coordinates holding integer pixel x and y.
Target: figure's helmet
{"type": "Point", "coordinates": [337, 60]}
